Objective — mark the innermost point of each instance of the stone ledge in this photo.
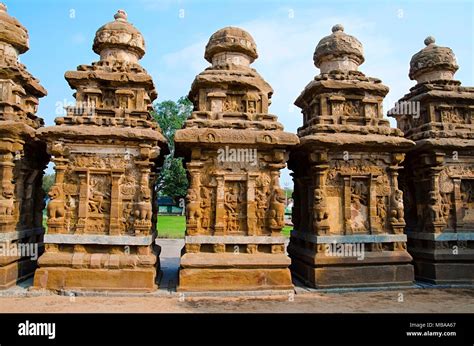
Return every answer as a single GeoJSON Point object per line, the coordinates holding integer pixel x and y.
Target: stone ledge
{"type": "Point", "coordinates": [352, 238]}
{"type": "Point", "coordinates": [446, 236]}
{"type": "Point", "coordinates": [97, 239]}
{"type": "Point", "coordinates": [231, 260]}
{"type": "Point", "coordinates": [204, 239]}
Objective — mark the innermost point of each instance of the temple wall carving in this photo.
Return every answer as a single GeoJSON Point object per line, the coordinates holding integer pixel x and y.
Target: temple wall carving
{"type": "Point", "coordinates": [402, 197]}
{"type": "Point", "coordinates": [23, 157]}
{"type": "Point", "coordinates": [106, 152]}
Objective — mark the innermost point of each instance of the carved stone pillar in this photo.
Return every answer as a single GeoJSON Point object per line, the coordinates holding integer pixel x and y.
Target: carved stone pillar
{"type": "Point", "coordinates": [22, 157]}
{"type": "Point", "coordinates": [241, 151]}
{"type": "Point", "coordinates": [439, 226]}
{"type": "Point", "coordinates": [100, 216]}
{"type": "Point", "coordinates": [344, 165]}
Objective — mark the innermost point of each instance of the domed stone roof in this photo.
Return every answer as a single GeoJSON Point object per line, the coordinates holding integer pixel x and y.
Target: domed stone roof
{"type": "Point", "coordinates": [119, 34]}
{"type": "Point", "coordinates": [433, 63]}
{"type": "Point", "coordinates": [12, 32]}
{"type": "Point", "coordinates": [231, 39]}
{"type": "Point", "coordinates": [338, 47]}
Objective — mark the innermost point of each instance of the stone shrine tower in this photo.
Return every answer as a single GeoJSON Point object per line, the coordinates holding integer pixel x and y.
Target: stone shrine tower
{"type": "Point", "coordinates": [348, 210]}
{"type": "Point", "coordinates": [22, 157]}
{"type": "Point", "coordinates": [234, 151]}
{"type": "Point", "coordinates": [438, 180]}
{"type": "Point", "coordinates": [106, 151]}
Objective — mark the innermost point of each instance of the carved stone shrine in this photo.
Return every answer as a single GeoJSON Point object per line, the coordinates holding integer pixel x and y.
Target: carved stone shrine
{"type": "Point", "coordinates": [22, 157]}
{"type": "Point", "coordinates": [348, 210]}
{"type": "Point", "coordinates": [106, 151]}
{"type": "Point", "coordinates": [234, 151]}
{"type": "Point", "coordinates": [438, 180]}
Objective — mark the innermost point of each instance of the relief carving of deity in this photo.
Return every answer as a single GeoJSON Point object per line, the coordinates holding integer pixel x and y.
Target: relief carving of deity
{"type": "Point", "coordinates": [277, 208]}
{"type": "Point", "coordinates": [359, 210]}
{"type": "Point", "coordinates": [193, 208]}
{"type": "Point", "coordinates": [232, 200]}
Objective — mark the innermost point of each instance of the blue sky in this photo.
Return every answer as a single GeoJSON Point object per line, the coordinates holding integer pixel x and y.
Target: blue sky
{"type": "Point", "coordinates": [286, 32]}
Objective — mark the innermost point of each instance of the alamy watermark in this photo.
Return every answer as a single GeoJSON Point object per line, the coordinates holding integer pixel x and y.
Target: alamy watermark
{"type": "Point", "coordinates": [86, 108]}
{"type": "Point", "coordinates": [28, 328]}
{"type": "Point", "coordinates": [10, 249]}
{"type": "Point", "coordinates": [345, 250]}
{"type": "Point", "coordinates": [247, 155]}
{"type": "Point", "coordinates": [406, 108]}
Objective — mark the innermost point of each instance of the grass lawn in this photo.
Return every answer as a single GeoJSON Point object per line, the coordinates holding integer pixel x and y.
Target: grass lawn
{"type": "Point", "coordinates": [174, 227]}
{"type": "Point", "coordinates": [171, 226]}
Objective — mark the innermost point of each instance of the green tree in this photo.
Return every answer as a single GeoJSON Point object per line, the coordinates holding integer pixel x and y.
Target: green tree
{"type": "Point", "coordinates": [171, 116]}
{"type": "Point", "coordinates": [48, 181]}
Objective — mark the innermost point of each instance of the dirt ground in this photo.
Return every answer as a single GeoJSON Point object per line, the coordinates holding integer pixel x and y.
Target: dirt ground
{"type": "Point", "coordinates": [429, 300]}
{"type": "Point", "coordinates": [412, 300]}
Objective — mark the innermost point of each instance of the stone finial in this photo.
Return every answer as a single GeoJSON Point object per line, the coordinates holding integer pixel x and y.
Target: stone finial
{"type": "Point", "coordinates": [429, 40]}
{"type": "Point", "coordinates": [119, 40]}
{"type": "Point", "coordinates": [12, 33]}
{"type": "Point", "coordinates": [433, 63]}
{"type": "Point", "coordinates": [231, 45]}
{"type": "Point", "coordinates": [121, 15]}
{"type": "Point", "coordinates": [338, 51]}
{"type": "Point", "coordinates": [337, 27]}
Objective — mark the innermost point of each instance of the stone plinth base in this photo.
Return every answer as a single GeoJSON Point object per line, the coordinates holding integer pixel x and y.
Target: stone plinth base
{"type": "Point", "coordinates": [234, 272]}
{"type": "Point", "coordinates": [136, 280]}
{"type": "Point", "coordinates": [444, 273]}
{"type": "Point", "coordinates": [105, 263]}
{"type": "Point", "coordinates": [16, 271]}
{"type": "Point", "coordinates": [443, 258]}
{"type": "Point", "coordinates": [373, 265]}
{"type": "Point", "coordinates": [352, 276]}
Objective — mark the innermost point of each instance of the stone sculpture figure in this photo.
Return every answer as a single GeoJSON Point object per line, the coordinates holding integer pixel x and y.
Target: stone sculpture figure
{"type": "Point", "coordinates": [193, 209]}
{"type": "Point", "coordinates": [277, 209]}
{"type": "Point", "coordinates": [22, 156]}
{"type": "Point", "coordinates": [234, 150]}
{"type": "Point", "coordinates": [144, 207]}
{"type": "Point", "coordinates": [56, 206]}
{"type": "Point", "coordinates": [107, 150]}
{"type": "Point", "coordinates": [438, 116]}
{"type": "Point", "coordinates": [397, 207]}
{"type": "Point", "coordinates": [345, 175]}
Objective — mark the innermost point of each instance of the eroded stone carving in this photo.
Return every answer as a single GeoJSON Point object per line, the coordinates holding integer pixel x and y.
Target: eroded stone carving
{"type": "Point", "coordinates": [439, 170]}
{"type": "Point", "coordinates": [22, 156]}
{"type": "Point", "coordinates": [233, 151]}
{"type": "Point", "coordinates": [345, 174]}
{"type": "Point", "coordinates": [106, 152]}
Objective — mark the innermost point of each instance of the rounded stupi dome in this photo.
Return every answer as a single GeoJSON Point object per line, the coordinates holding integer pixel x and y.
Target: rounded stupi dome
{"type": "Point", "coordinates": [433, 63]}
{"type": "Point", "coordinates": [119, 36]}
{"type": "Point", "coordinates": [12, 32]}
{"type": "Point", "coordinates": [338, 51]}
{"type": "Point", "coordinates": [231, 40]}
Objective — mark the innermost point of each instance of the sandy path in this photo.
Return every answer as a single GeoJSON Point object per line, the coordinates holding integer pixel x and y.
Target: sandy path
{"type": "Point", "coordinates": [414, 300]}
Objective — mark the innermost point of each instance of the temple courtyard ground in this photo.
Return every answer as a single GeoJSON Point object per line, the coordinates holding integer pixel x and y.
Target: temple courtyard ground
{"type": "Point", "coordinates": [417, 299]}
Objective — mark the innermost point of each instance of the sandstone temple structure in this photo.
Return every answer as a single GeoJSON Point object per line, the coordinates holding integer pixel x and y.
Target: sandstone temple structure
{"type": "Point", "coordinates": [373, 205]}
{"type": "Point", "coordinates": [106, 150]}
{"type": "Point", "coordinates": [438, 180]}
{"type": "Point", "coordinates": [234, 151]}
{"type": "Point", "coordinates": [23, 157]}
{"type": "Point", "coordinates": [348, 215]}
